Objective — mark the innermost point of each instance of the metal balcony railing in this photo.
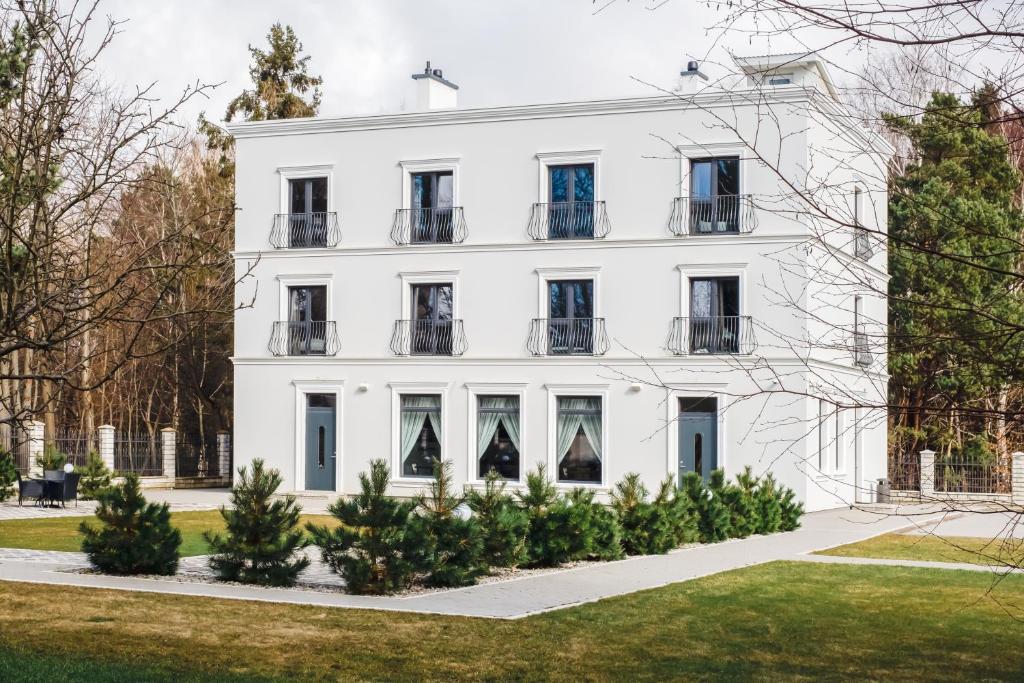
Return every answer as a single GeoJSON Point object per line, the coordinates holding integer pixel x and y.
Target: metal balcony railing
{"type": "Point", "coordinates": [567, 337]}
{"type": "Point", "coordinates": [725, 335]}
{"type": "Point", "coordinates": [862, 355]}
{"type": "Point", "coordinates": [862, 247]}
{"type": "Point", "coordinates": [718, 215]}
{"type": "Point", "coordinates": [428, 338]}
{"type": "Point", "coordinates": [569, 221]}
{"type": "Point", "coordinates": [305, 230]}
{"type": "Point", "coordinates": [307, 338]}
{"type": "Point", "coordinates": [429, 226]}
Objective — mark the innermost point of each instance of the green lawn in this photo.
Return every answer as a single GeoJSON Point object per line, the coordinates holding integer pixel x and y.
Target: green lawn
{"type": "Point", "coordinates": [780, 621]}
{"type": "Point", "coordinates": [61, 533]}
{"type": "Point", "coordinates": [984, 551]}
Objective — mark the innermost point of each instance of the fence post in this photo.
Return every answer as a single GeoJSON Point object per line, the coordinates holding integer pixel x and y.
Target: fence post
{"type": "Point", "coordinates": [168, 438]}
{"type": "Point", "coordinates": [927, 474]}
{"type": "Point", "coordinates": [224, 454]}
{"type": "Point", "coordinates": [1017, 479]}
{"type": "Point", "coordinates": [34, 433]}
{"type": "Point", "coordinates": [106, 445]}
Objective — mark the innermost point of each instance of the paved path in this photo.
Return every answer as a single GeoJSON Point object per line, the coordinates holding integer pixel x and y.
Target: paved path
{"type": "Point", "coordinates": [524, 596]}
{"type": "Point", "coordinates": [924, 564]}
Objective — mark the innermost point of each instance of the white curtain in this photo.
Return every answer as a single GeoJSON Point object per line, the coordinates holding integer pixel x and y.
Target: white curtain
{"type": "Point", "coordinates": [571, 417]}
{"type": "Point", "coordinates": [492, 411]}
{"type": "Point", "coordinates": [416, 409]}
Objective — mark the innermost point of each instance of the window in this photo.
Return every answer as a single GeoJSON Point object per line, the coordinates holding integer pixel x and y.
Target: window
{"type": "Point", "coordinates": [780, 79]}
{"type": "Point", "coordinates": [432, 201]}
{"type": "Point", "coordinates": [714, 195]}
{"type": "Point", "coordinates": [715, 324]}
{"type": "Point", "coordinates": [822, 434]}
{"type": "Point", "coordinates": [571, 201]}
{"type": "Point", "coordinates": [861, 238]}
{"type": "Point", "coordinates": [498, 435]}
{"type": "Point", "coordinates": [571, 316]}
{"type": "Point", "coordinates": [578, 439]}
{"type": "Point", "coordinates": [307, 320]}
{"type": "Point", "coordinates": [307, 212]}
{"type": "Point", "coordinates": [420, 434]}
{"type": "Point", "coordinates": [432, 311]}
{"type": "Point", "coordinates": [861, 352]}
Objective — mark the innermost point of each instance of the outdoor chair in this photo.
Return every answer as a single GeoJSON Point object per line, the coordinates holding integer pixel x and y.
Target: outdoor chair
{"type": "Point", "coordinates": [65, 489]}
{"type": "Point", "coordinates": [30, 488]}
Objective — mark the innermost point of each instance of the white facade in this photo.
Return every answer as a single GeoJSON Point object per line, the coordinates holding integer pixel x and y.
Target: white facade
{"type": "Point", "coordinates": [640, 155]}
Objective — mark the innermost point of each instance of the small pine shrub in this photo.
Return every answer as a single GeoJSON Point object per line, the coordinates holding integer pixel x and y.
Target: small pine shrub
{"type": "Point", "coordinates": [504, 526]}
{"type": "Point", "coordinates": [375, 549]}
{"type": "Point", "coordinates": [456, 543]}
{"type": "Point", "coordinates": [739, 498]}
{"type": "Point", "coordinates": [767, 499]}
{"type": "Point", "coordinates": [8, 475]}
{"type": "Point", "coordinates": [51, 459]}
{"type": "Point", "coordinates": [95, 477]}
{"type": "Point", "coordinates": [711, 512]}
{"type": "Point", "coordinates": [675, 510]}
{"type": "Point", "coordinates": [134, 536]}
{"type": "Point", "coordinates": [553, 537]}
{"type": "Point", "coordinates": [791, 510]}
{"type": "Point", "coordinates": [598, 530]}
{"type": "Point", "coordinates": [649, 527]}
{"type": "Point", "coordinates": [263, 535]}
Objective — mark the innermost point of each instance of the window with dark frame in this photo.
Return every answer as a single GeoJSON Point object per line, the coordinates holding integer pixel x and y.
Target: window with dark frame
{"type": "Point", "coordinates": [419, 433]}
{"type": "Point", "coordinates": [715, 195]}
{"type": "Point", "coordinates": [307, 212]}
{"type": "Point", "coordinates": [498, 436]}
{"type": "Point", "coordinates": [579, 427]}
{"type": "Point", "coordinates": [307, 320]}
{"type": "Point", "coordinates": [571, 201]}
{"type": "Point", "coordinates": [570, 316]}
{"type": "Point", "coordinates": [715, 315]}
{"type": "Point", "coordinates": [432, 315]}
{"type": "Point", "coordinates": [432, 204]}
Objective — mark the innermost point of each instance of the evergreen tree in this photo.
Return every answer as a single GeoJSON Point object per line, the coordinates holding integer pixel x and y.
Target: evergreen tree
{"type": "Point", "coordinates": [791, 511]}
{"type": "Point", "coordinates": [636, 516]}
{"type": "Point", "coordinates": [375, 548]}
{"type": "Point", "coordinates": [739, 498]}
{"type": "Point", "coordinates": [767, 498]}
{"type": "Point", "coordinates": [596, 525]}
{"type": "Point", "coordinates": [504, 525]}
{"type": "Point", "coordinates": [554, 536]}
{"type": "Point", "coordinates": [456, 543]}
{"type": "Point", "coordinates": [677, 512]}
{"type": "Point", "coordinates": [8, 475]}
{"type": "Point", "coordinates": [263, 535]}
{"type": "Point", "coordinates": [134, 537]}
{"type": "Point", "coordinates": [95, 477]}
{"type": "Point", "coordinates": [711, 513]}
{"type": "Point", "coordinates": [51, 459]}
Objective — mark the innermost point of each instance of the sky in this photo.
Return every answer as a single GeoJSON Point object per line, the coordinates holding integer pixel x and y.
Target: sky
{"type": "Point", "coordinates": [512, 52]}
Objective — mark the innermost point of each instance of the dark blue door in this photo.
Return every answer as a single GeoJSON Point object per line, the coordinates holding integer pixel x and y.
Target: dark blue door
{"type": "Point", "coordinates": [321, 461]}
{"type": "Point", "coordinates": [698, 442]}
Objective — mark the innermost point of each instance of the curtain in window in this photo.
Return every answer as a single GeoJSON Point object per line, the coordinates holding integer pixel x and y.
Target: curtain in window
{"type": "Point", "coordinates": [489, 417]}
{"type": "Point", "coordinates": [572, 416]}
{"type": "Point", "coordinates": [416, 409]}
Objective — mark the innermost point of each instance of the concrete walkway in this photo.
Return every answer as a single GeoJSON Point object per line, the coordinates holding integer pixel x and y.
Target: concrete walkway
{"type": "Point", "coordinates": [520, 597]}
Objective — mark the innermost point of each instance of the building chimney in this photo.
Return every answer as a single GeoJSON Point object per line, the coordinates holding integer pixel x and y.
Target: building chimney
{"type": "Point", "coordinates": [693, 69]}
{"type": "Point", "coordinates": [433, 91]}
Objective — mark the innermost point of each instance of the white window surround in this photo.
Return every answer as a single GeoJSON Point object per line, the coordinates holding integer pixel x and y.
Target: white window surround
{"type": "Point", "coordinates": [474, 391]}
{"type": "Point", "coordinates": [302, 388]}
{"type": "Point", "coordinates": [428, 277]}
{"type": "Point", "coordinates": [693, 390]}
{"type": "Point", "coordinates": [691, 152]}
{"type": "Point", "coordinates": [547, 159]}
{"type": "Point", "coordinates": [556, 391]}
{"type": "Point", "coordinates": [300, 280]}
{"type": "Point", "coordinates": [425, 166]}
{"type": "Point", "coordinates": [287, 173]}
{"type": "Point", "coordinates": [691, 271]}
{"type": "Point", "coordinates": [398, 389]}
{"type": "Point", "coordinates": [546, 275]}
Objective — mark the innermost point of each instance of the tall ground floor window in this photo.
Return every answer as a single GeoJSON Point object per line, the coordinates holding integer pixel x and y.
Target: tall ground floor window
{"type": "Point", "coordinates": [420, 434]}
{"type": "Point", "coordinates": [578, 439]}
{"type": "Point", "coordinates": [498, 435]}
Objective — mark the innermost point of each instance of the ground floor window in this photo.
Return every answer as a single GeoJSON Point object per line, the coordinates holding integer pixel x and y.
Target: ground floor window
{"type": "Point", "coordinates": [498, 435]}
{"type": "Point", "coordinates": [578, 439]}
{"type": "Point", "coordinates": [420, 433]}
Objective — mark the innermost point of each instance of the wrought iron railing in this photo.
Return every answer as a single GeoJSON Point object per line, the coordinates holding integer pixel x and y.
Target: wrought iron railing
{"type": "Point", "coordinates": [305, 230]}
{"type": "Point", "coordinates": [428, 338]}
{"type": "Point", "coordinates": [75, 444]}
{"type": "Point", "coordinates": [718, 215]}
{"type": "Point", "coordinates": [569, 221]}
{"type": "Point", "coordinates": [861, 352]}
{"type": "Point", "coordinates": [307, 338]}
{"type": "Point", "coordinates": [429, 226]}
{"type": "Point", "coordinates": [904, 470]}
{"type": "Point", "coordinates": [197, 459]}
{"type": "Point", "coordinates": [963, 474]}
{"type": "Point", "coordinates": [726, 335]}
{"type": "Point", "coordinates": [862, 247]}
{"type": "Point", "coordinates": [567, 337]}
{"type": "Point", "coordinates": [139, 453]}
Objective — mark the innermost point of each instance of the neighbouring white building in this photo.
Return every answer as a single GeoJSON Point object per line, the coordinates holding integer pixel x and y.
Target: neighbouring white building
{"type": "Point", "coordinates": [605, 287]}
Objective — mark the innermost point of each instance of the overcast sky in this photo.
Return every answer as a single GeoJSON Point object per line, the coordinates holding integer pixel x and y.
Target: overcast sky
{"type": "Point", "coordinates": [510, 52]}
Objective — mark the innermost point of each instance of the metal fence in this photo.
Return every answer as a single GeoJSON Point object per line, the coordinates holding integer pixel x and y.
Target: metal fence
{"type": "Point", "coordinates": [194, 459]}
{"type": "Point", "coordinates": [75, 444]}
{"type": "Point", "coordinates": [14, 441]}
{"type": "Point", "coordinates": [905, 471]}
{"type": "Point", "coordinates": [960, 474]}
{"type": "Point", "coordinates": [138, 453]}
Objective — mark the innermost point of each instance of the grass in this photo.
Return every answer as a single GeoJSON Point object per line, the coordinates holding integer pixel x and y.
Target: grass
{"type": "Point", "coordinates": [983, 551]}
{"type": "Point", "coordinates": [783, 620]}
{"type": "Point", "coordinates": [61, 533]}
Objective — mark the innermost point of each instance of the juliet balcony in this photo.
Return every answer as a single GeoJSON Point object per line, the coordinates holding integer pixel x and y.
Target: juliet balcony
{"type": "Point", "coordinates": [305, 230]}
{"type": "Point", "coordinates": [305, 338]}
{"type": "Point", "coordinates": [428, 338]}
{"type": "Point", "coordinates": [569, 221]}
{"type": "Point", "coordinates": [862, 355]}
{"type": "Point", "coordinates": [716, 335]}
{"type": "Point", "coordinates": [429, 226]}
{"type": "Point", "coordinates": [713, 215]}
{"type": "Point", "coordinates": [567, 337]}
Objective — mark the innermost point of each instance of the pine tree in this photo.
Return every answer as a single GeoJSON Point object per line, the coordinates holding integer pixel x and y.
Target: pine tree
{"type": "Point", "coordinates": [8, 475]}
{"type": "Point", "coordinates": [504, 525]}
{"type": "Point", "coordinates": [676, 512]}
{"type": "Point", "coordinates": [596, 526]}
{"type": "Point", "coordinates": [554, 537]}
{"type": "Point", "coordinates": [95, 477]}
{"type": "Point", "coordinates": [636, 516]}
{"type": "Point", "coordinates": [739, 498]}
{"type": "Point", "coordinates": [263, 536]}
{"type": "Point", "coordinates": [791, 510]}
{"type": "Point", "coordinates": [711, 513]}
{"type": "Point", "coordinates": [456, 542]}
{"type": "Point", "coordinates": [769, 506]}
{"type": "Point", "coordinates": [51, 459]}
{"type": "Point", "coordinates": [134, 537]}
{"type": "Point", "coordinates": [375, 549]}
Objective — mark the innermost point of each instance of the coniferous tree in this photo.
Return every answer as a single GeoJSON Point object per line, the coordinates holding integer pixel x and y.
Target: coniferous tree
{"type": "Point", "coordinates": [636, 516]}
{"type": "Point", "coordinates": [51, 459]}
{"type": "Point", "coordinates": [767, 498]}
{"type": "Point", "coordinates": [263, 536]}
{"type": "Point", "coordinates": [504, 525]}
{"type": "Point", "coordinates": [8, 475]}
{"type": "Point", "coordinates": [95, 477]}
{"type": "Point", "coordinates": [134, 536]}
{"type": "Point", "coordinates": [676, 509]}
{"type": "Point", "coordinates": [791, 510]}
{"type": "Point", "coordinates": [711, 513]}
{"type": "Point", "coordinates": [739, 498]}
{"type": "Point", "coordinates": [554, 537]}
{"type": "Point", "coordinates": [597, 527]}
{"type": "Point", "coordinates": [456, 542]}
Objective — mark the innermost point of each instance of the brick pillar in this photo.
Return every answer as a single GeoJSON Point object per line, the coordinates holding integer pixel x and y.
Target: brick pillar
{"type": "Point", "coordinates": [1018, 477]}
{"type": "Point", "coordinates": [106, 438]}
{"type": "Point", "coordinates": [224, 454]}
{"type": "Point", "coordinates": [168, 439]}
{"type": "Point", "coordinates": [927, 474]}
{"type": "Point", "coordinates": [35, 435]}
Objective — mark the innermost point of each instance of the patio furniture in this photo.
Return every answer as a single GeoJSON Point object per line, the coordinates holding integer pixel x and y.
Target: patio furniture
{"type": "Point", "coordinates": [61, 491]}
{"type": "Point", "coordinates": [30, 488]}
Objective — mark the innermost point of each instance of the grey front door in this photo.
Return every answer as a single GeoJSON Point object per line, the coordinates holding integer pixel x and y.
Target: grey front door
{"type": "Point", "coordinates": [321, 462]}
{"type": "Point", "coordinates": [698, 437]}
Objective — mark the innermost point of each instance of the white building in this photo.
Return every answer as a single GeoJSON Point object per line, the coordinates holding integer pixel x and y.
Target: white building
{"type": "Point", "coordinates": [591, 285]}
